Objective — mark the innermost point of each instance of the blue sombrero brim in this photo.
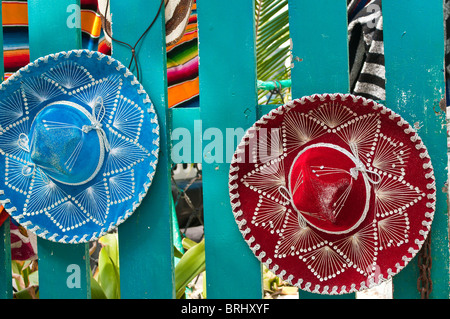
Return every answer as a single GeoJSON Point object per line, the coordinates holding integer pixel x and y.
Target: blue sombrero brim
{"type": "Point", "coordinates": [81, 213]}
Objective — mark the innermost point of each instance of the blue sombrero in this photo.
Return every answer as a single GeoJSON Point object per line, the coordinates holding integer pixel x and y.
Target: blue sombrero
{"type": "Point", "coordinates": [79, 142]}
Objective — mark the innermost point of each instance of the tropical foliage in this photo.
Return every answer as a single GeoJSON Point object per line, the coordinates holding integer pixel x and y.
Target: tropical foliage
{"type": "Point", "coordinates": [272, 44]}
{"type": "Point", "coordinates": [105, 281]}
{"type": "Point", "coordinates": [25, 279]}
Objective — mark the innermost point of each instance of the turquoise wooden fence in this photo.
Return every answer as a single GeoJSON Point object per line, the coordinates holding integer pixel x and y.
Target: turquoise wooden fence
{"type": "Point", "coordinates": [414, 54]}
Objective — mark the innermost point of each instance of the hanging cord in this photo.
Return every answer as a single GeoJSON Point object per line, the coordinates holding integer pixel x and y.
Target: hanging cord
{"type": "Point", "coordinates": [132, 48]}
{"type": "Point", "coordinates": [424, 282]}
{"type": "Point", "coordinates": [276, 90]}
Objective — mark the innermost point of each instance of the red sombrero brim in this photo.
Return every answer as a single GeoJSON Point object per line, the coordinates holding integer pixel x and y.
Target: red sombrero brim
{"type": "Point", "coordinates": [401, 208]}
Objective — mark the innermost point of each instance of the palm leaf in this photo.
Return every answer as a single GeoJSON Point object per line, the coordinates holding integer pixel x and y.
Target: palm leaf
{"type": "Point", "coordinates": [272, 43]}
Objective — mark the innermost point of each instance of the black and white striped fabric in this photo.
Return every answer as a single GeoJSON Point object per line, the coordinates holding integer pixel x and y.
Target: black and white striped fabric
{"type": "Point", "coordinates": [366, 49]}
{"type": "Point", "coordinates": [367, 68]}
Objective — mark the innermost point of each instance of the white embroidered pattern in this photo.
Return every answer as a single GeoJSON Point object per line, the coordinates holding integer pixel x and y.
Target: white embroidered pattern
{"type": "Point", "coordinates": [390, 156]}
{"type": "Point", "coordinates": [333, 114]}
{"type": "Point", "coordinates": [36, 90]}
{"type": "Point", "coordinates": [9, 137]}
{"type": "Point", "coordinates": [122, 122]}
{"type": "Point", "coordinates": [66, 216]}
{"type": "Point", "coordinates": [15, 178]}
{"type": "Point", "coordinates": [393, 230]}
{"type": "Point", "coordinates": [394, 194]}
{"type": "Point", "coordinates": [324, 262]}
{"type": "Point", "coordinates": [361, 133]}
{"type": "Point", "coordinates": [107, 88]}
{"type": "Point", "coordinates": [69, 74]}
{"type": "Point", "coordinates": [94, 201]}
{"type": "Point", "coordinates": [124, 153]}
{"type": "Point", "coordinates": [11, 109]}
{"type": "Point", "coordinates": [269, 214]}
{"type": "Point", "coordinates": [266, 145]}
{"type": "Point", "coordinates": [296, 237]}
{"type": "Point", "coordinates": [300, 129]}
{"type": "Point", "coordinates": [267, 179]}
{"type": "Point", "coordinates": [42, 194]}
{"type": "Point", "coordinates": [359, 248]}
{"type": "Point", "coordinates": [127, 117]}
{"type": "Point", "coordinates": [121, 186]}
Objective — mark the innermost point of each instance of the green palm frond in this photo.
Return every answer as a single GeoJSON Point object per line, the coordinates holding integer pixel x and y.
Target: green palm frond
{"type": "Point", "coordinates": [272, 43]}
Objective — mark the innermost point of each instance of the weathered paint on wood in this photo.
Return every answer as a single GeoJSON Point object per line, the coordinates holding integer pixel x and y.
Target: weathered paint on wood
{"type": "Point", "coordinates": [227, 74]}
{"type": "Point", "coordinates": [57, 262]}
{"type": "Point", "coordinates": [6, 291]}
{"type": "Point", "coordinates": [318, 31]}
{"type": "Point", "coordinates": [64, 270]}
{"type": "Point", "coordinates": [186, 135]}
{"type": "Point", "coordinates": [145, 239]}
{"type": "Point", "coordinates": [414, 54]}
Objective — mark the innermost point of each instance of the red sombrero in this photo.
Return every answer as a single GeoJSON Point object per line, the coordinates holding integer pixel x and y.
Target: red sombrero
{"type": "Point", "coordinates": [333, 193]}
